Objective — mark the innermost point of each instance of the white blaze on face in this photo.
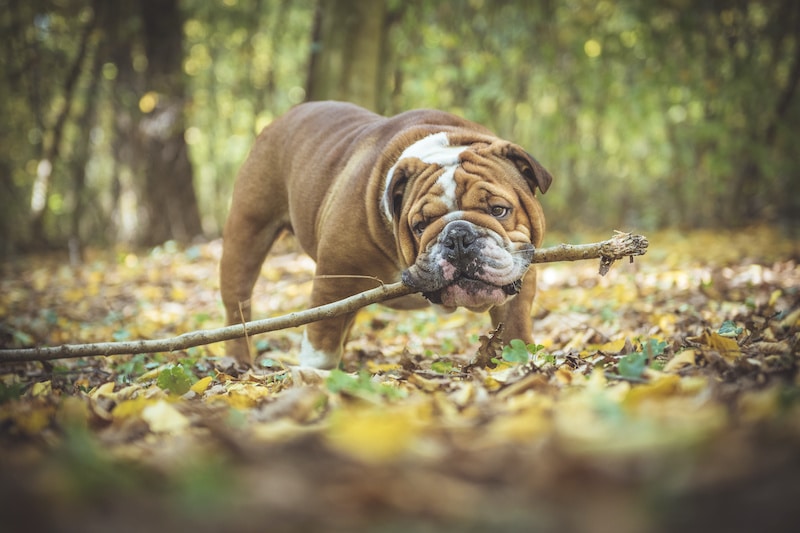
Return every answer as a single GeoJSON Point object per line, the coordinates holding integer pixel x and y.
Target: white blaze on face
{"type": "Point", "coordinates": [433, 149]}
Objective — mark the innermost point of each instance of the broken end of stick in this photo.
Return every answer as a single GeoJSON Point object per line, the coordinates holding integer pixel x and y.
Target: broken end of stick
{"type": "Point", "coordinates": [621, 245]}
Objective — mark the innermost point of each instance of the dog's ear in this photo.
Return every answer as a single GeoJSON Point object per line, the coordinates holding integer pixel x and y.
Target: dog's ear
{"type": "Point", "coordinates": [395, 188]}
{"type": "Point", "coordinates": [398, 190]}
{"type": "Point", "coordinates": [530, 168]}
{"type": "Point", "coordinates": [397, 181]}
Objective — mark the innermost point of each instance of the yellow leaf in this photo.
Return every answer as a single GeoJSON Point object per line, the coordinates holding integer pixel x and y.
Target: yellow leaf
{"type": "Point", "coordinates": [162, 417]}
{"type": "Point", "coordinates": [792, 319]}
{"type": "Point", "coordinates": [373, 434]}
{"type": "Point", "coordinates": [133, 407]}
{"type": "Point", "coordinates": [563, 376]}
{"type": "Point", "coordinates": [726, 347]}
{"type": "Point", "coordinates": [773, 297]}
{"type": "Point", "coordinates": [491, 384]}
{"type": "Point", "coordinates": [666, 385]}
{"type": "Point", "coordinates": [612, 347]}
{"type": "Point", "coordinates": [33, 421]}
{"type": "Point", "coordinates": [681, 360]}
{"type": "Point", "coordinates": [530, 416]}
{"type": "Point", "coordinates": [104, 390]}
{"type": "Point", "coordinates": [201, 386]}
{"type": "Point", "coordinates": [376, 368]}
{"type": "Point", "coordinates": [244, 395]}
{"type": "Point", "coordinates": [153, 373]}
{"type": "Point", "coordinates": [43, 388]}
{"type": "Point", "coordinates": [666, 323]}
{"type": "Point", "coordinates": [693, 384]}
{"type": "Point", "coordinates": [428, 385]}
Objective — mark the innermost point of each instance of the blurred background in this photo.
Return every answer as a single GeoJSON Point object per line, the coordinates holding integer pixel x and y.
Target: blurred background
{"type": "Point", "coordinates": [125, 122]}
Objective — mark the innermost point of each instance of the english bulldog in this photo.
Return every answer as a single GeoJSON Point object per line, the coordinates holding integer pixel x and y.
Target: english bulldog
{"type": "Point", "coordinates": [425, 196]}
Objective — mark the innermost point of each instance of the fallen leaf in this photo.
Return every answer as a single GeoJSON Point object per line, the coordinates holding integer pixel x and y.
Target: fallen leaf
{"type": "Point", "coordinates": [162, 417]}
{"type": "Point", "coordinates": [727, 347]}
{"type": "Point", "coordinates": [662, 387]}
{"type": "Point", "coordinates": [373, 434]}
{"type": "Point", "coordinates": [43, 388]}
{"type": "Point", "coordinates": [681, 360]}
{"type": "Point", "coordinates": [202, 385]}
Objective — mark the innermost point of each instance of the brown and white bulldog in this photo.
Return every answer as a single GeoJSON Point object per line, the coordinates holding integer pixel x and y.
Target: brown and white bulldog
{"type": "Point", "coordinates": [424, 196]}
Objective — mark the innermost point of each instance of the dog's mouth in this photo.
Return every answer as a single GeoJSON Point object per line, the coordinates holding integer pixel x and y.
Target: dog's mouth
{"type": "Point", "coordinates": [465, 269]}
{"type": "Point", "coordinates": [459, 288]}
{"type": "Point", "coordinates": [471, 286]}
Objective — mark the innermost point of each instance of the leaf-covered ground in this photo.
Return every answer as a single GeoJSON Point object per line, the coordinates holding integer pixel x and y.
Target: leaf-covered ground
{"type": "Point", "coordinates": [663, 397]}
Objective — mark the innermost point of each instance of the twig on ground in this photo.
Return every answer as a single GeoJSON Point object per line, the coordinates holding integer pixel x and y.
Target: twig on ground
{"type": "Point", "coordinates": [619, 246]}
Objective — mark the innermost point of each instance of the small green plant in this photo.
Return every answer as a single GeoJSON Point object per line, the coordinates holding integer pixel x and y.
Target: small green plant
{"type": "Point", "coordinates": [632, 365]}
{"type": "Point", "coordinates": [360, 385]}
{"type": "Point", "coordinates": [12, 391]}
{"type": "Point", "coordinates": [518, 352]}
{"type": "Point", "coordinates": [175, 379]}
{"type": "Point", "coordinates": [131, 367]}
{"type": "Point", "coordinates": [729, 329]}
{"type": "Point", "coordinates": [442, 366]}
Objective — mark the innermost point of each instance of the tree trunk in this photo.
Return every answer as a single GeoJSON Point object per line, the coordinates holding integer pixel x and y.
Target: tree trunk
{"type": "Point", "coordinates": [346, 52]}
{"type": "Point", "coordinates": [44, 170]}
{"type": "Point", "coordinates": [169, 204]}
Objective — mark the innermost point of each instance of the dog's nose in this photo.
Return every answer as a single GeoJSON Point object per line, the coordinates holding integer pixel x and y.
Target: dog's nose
{"type": "Point", "coordinates": [459, 242]}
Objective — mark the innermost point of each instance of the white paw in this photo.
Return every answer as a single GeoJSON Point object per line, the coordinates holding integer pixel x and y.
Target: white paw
{"type": "Point", "coordinates": [311, 357]}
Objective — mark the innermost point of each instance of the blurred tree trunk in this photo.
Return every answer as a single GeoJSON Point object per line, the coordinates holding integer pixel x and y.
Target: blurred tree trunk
{"type": "Point", "coordinates": [80, 160]}
{"type": "Point", "coordinates": [347, 46]}
{"type": "Point", "coordinates": [51, 150]}
{"type": "Point", "coordinates": [168, 196]}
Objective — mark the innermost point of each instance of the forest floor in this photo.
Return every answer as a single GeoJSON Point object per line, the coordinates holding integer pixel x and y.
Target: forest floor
{"type": "Point", "coordinates": [664, 396]}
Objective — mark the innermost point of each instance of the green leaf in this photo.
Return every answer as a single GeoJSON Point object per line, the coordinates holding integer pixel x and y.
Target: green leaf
{"type": "Point", "coordinates": [516, 352]}
{"type": "Point", "coordinates": [443, 366]}
{"type": "Point", "coordinates": [339, 381]}
{"type": "Point", "coordinates": [175, 380]}
{"type": "Point", "coordinates": [632, 365]}
{"type": "Point", "coordinates": [654, 348]}
{"type": "Point", "coordinates": [361, 385]}
{"type": "Point", "coordinates": [22, 338]}
{"type": "Point", "coordinates": [729, 329]}
{"type": "Point", "coordinates": [266, 362]}
{"type": "Point", "coordinates": [11, 391]}
{"type": "Point", "coordinates": [133, 366]}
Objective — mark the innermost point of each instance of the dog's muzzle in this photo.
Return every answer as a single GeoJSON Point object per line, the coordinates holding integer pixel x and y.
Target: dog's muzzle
{"type": "Point", "coordinates": [468, 266]}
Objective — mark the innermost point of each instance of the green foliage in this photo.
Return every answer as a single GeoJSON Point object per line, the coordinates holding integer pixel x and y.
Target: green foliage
{"type": "Point", "coordinates": [632, 365]}
{"type": "Point", "coordinates": [175, 379]}
{"type": "Point", "coordinates": [729, 329]}
{"type": "Point", "coordinates": [10, 391]}
{"type": "Point", "coordinates": [516, 351]}
{"type": "Point", "coordinates": [699, 98]}
{"type": "Point", "coordinates": [361, 385]}
{"type": "Point", "coordinates": [129, 368]}
{"type": "Point", "coordinates": [442, 366]}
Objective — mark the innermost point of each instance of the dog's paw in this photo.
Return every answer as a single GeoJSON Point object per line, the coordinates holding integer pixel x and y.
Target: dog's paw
{"type": "Point", "coordinates": [314, 358]}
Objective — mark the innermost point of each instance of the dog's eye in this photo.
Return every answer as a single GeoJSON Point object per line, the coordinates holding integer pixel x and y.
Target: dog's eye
{"type": "Point", "coordinates": [499, 211]}
{"type": "Point", "coordinates": [419, 227]}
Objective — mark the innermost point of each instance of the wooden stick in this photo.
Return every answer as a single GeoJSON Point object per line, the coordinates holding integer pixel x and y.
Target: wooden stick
{"type": "Point", "coordinates": [619, 246]}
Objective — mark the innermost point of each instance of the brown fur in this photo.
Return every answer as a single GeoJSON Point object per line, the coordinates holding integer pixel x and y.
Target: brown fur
{"type": "Point", "coordinates": [319, 171]}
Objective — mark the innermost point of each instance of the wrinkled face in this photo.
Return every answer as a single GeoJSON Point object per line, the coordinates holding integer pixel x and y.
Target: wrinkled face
{"type": "Point", "coordinates": [466, 218]}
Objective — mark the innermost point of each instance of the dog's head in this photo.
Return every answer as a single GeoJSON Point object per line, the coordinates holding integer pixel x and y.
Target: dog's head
{"type": "Point", "coordinates": [465, 217]}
